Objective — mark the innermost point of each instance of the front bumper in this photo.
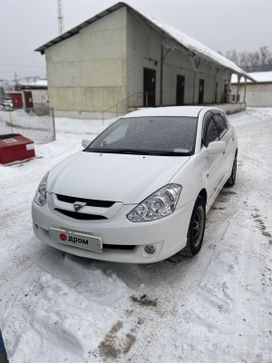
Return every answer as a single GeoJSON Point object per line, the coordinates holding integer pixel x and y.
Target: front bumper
{"type": "Point", "coordinates": [168, 235]}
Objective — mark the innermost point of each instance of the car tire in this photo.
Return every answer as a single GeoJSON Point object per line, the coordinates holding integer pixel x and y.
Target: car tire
{"type": "Point", "coordinates": [196, 228]}
{"type": "Point", "coordinates": [231, 180]}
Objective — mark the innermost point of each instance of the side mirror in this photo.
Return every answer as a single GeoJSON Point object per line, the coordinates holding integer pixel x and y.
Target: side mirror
{"type": "Point", "coordinates": [216, 147]}
{"type": "Point", "coordinates": [85, 143]}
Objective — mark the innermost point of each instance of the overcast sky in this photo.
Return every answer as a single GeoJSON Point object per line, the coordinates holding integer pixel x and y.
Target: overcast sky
{"type": "Point", "coordinates": [219, 24]}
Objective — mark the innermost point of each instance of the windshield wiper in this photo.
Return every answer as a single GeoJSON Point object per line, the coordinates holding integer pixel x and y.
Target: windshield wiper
{"type": "Point", "coordinates": [119, 151]}
{"type": "Point", "coordinates": [138, 152]}
{"type": "Point", "coordinates": [175, 153]}
{"type": "Point", "coordinates": [133, 151]}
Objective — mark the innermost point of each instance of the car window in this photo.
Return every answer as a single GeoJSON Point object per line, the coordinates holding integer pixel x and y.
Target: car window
{"type": "Point", "coordinates": [158, 135]}
{"type": "Point", "coordinates": [220, 124]}
{"type": "Point", "coordinates": [211, 133]}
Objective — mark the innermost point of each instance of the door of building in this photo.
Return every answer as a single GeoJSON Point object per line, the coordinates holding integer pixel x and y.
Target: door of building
{"type": "Point", "coordinates": [180, 90]}
{"type": "Point", "coordinates": [149, 88]}
{"type": "Point", "coordinates": [216, 91]}
{"type": "Point", "coordinates": [28, 99]}
{"type": "Point", "coordinates": [225, 93]}
{"type": "Point", "coordinates": [201, 91]}
{"type": "Point", "coordinates": [17, 100]}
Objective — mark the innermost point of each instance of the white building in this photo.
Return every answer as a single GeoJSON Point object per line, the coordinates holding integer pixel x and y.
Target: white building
{"type": "Point", "coordinates": [123, 58]}
{"type": "Point", "coordinates": [258, 94]}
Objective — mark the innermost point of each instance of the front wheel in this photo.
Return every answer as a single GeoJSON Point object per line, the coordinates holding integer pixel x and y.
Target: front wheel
{"type": "Point", "coordinates": [231, 180]}
{"type": "Point", "coordinates": [196, 228]}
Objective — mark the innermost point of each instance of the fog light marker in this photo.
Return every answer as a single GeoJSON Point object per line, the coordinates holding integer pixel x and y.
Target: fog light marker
{"type": "Point", "coordinates": [149, 249]}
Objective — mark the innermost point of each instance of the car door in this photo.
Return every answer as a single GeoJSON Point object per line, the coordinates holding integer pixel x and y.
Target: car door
{"type": "Point", "coordinates": [212, 162]}
{"type": "Point", "coordinates": [226, 135]}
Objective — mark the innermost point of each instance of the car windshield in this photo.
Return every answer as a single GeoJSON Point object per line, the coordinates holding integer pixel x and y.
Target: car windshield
{"type": "Point", "coordinates": [164, 135]}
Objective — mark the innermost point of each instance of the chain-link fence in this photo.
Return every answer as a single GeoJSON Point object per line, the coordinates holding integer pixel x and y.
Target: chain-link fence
{"type": "Point", "coordinates": [37, 124]}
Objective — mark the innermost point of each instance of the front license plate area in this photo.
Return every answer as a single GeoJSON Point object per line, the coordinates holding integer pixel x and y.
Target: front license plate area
{"type": "Point", "coordinates": [75, 239]}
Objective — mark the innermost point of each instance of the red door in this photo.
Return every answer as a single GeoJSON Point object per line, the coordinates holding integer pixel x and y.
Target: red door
{"type": "Point", "coordinates": [17, 100]}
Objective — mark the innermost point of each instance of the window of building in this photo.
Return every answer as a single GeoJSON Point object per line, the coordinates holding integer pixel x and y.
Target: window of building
{"type": "Point", "coordinates": [201, 91]}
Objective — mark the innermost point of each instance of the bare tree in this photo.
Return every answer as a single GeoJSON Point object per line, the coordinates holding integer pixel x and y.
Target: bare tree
{"type": "Point", "coordinates": [260, 60]}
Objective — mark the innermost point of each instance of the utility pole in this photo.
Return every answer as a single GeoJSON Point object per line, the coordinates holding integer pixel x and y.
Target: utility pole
{"type": "Point", "coordinates": [60, 17]}
{"type": "Point", "coordinates": [15, 80]}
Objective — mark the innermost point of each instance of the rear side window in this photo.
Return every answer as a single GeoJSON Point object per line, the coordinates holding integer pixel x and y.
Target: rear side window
{"type": "Point", "coordinates": [221, 124]}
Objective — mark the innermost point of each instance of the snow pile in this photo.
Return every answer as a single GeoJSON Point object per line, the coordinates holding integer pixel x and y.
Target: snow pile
{"type": "Point", "coordinates": [65, 312]}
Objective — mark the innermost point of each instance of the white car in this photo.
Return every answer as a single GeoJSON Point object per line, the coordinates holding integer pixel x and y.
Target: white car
{"type": "Point", "coordinates": [7, 104]}
{"type": "Point", "coordinates": [140, 191]}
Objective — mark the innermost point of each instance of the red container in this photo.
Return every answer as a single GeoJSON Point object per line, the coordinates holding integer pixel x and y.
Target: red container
{"type": "Point", "coordinates": [15, 147]}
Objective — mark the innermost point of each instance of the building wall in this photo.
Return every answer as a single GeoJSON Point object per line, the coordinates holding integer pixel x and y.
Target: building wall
{"type": "Point", "coordinates": [101, 69]}
{"type": "Point", "coordinates": [257, 95]}
{"type": "Point", "coordinates": [40, 97]}
{"type": "Point", "coordinates": [144, 51]}
{"type": "Point", "coordinates": [87, 72]}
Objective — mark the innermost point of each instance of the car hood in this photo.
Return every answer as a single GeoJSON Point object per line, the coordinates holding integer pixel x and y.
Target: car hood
{"type": "Point", "coordinates": [124, 178]}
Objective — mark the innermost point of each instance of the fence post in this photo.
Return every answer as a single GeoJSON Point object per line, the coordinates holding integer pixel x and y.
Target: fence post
{"type": "Point", "coordinates": [10, 121]}
{"type": "Point", "coordinates": [53, 122]}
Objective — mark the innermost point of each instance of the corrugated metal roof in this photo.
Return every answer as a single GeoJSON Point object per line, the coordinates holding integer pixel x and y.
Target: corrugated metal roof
{"type": "Point", "coordinates": [191, 45]}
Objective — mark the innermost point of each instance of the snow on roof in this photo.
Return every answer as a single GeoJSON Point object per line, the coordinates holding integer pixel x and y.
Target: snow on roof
{"type": "Point", "coordinates": [182, 39]}
{"type": "Point", "coordinates": [37, 83]}
{"type": "Point", "coordinates": [260, 77]}
{"type": "Point", "coordinates": [194, 45]}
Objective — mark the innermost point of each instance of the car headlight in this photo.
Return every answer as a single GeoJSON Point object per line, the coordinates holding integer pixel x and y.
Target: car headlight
{"type": "Point", "coordinates": [158, 205]}
{"type": "Point", "coordinates": [41, 193]}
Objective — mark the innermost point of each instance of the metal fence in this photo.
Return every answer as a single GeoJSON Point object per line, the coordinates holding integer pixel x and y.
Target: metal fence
{"type": "Point", "coordinates": [37, 124]}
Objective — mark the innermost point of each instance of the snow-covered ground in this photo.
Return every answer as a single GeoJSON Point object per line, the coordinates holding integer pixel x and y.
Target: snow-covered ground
{"type": "Point", "coordinates": [216, 307]}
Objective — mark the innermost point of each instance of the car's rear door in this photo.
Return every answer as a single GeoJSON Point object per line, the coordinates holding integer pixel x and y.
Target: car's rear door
{"type": "Point", "coordinates": [212, 163]}
{"type": "Point", "coordinates": [226, 135]}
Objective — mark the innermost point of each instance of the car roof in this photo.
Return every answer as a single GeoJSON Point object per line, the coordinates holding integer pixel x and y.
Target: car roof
{"type": "Point", "coordinates": [189, 111]}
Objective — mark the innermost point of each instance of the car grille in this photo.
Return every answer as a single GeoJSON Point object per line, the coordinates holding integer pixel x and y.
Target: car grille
{"type": "Point", "coordinates": [80, 216]}
{"type": "Point", "coordinates": [119, 247]}
{"type": "Point", "coordinates": [89, 202]}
